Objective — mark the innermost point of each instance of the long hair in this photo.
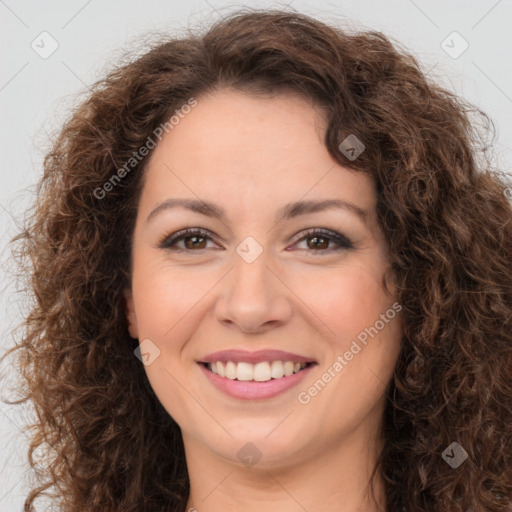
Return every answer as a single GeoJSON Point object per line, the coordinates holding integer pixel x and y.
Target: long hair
{"type": "Point", "coordinates": [443, 210]}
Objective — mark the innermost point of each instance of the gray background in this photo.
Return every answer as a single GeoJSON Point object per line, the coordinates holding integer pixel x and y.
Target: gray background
{"type": "Point", "coordinates": [36, 94]}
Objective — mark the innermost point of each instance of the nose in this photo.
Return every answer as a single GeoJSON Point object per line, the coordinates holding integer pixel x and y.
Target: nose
{"type": "Point", "coordinates": [253, 298]}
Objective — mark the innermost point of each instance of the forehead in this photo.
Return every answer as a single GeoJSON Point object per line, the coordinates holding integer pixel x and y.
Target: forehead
{"type": "Point", "coordinates": [228, 124]}
{"type": "Point", "coordinates": [246, 147]}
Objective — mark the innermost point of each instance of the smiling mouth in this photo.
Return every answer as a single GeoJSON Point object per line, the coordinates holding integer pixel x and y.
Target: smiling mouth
{"type": "Point", "coordinates": [260, 372]}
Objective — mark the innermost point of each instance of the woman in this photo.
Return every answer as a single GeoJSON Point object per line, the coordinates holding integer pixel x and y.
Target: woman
{"type": "Point", "coordinates": [271, 273]}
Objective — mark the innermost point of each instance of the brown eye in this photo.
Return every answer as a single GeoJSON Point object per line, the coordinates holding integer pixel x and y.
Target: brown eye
{"type": "Point", "coordinates": [318, 242]}
{"type": "Point", "coordinates": [194, 242]}
{"type": "Point", "coordinates": [321, 239]}
{"type": "Point", "coordinates": [186, 240]}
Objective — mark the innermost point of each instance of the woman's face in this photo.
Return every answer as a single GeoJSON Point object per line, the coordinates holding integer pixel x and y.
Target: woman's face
{"type": "Point", "coordinates": [256, 280]}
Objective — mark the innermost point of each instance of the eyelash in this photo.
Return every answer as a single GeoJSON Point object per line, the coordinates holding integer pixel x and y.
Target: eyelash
{"type": "Point", "coordinates": [343, 242]}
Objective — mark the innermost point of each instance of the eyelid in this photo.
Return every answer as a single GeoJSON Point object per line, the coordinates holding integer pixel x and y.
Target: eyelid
{"type": "Point", "coordinates": [165, 242]}
{"type": "Point", "coordinates": [342, 242]}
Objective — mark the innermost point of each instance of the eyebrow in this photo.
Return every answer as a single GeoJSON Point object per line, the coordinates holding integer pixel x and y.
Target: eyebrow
{"type": "Point", "coordinates": [288, 211]}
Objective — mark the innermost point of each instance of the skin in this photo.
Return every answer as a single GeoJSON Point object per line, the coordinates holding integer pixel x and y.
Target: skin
{"type": "Point", "coordinates": [252, 155]}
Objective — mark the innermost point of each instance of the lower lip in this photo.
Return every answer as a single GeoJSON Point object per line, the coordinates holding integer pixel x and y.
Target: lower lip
{"type": "Point", "coordinates": [251, 390]}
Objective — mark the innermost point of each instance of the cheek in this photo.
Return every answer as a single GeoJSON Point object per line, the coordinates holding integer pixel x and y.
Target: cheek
{"type": "Point", "coordinates": [168, 301]}
{"type": "Point", "coordinates": [167, 297]}
{"type": "Point", "coordinates": [351, 303]}
{"type": "Point", "coordinates": [362, 353]}
{"type": "Point", "coordinates": [346, 299]}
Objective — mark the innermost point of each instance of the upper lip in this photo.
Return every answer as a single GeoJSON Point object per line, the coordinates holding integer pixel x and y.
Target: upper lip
{"type": "Point", "coordinates": [258, 356]}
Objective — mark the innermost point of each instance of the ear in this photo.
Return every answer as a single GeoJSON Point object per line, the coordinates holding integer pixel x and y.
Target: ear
{"type": "Point", "coordinates": [129, 309]}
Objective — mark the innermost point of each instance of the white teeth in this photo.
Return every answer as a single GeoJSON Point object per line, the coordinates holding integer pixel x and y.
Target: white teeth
{"type": "Point", "coordinates": [220, 369]}
{"type": "Point", "coordinates": [260, 372]}
{"type": "Point", "coordinates": [288, 368]}
{"type": "Point", "coordinates": [277, 370]}
{"type": "Point", "coordinates": [230, 372]}
{"type": "Point", "coordinates": [244, 371]}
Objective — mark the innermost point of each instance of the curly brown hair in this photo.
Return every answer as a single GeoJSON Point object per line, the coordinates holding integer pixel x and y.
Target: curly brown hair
{"type": "Point", "coordinates": [441, 206]}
